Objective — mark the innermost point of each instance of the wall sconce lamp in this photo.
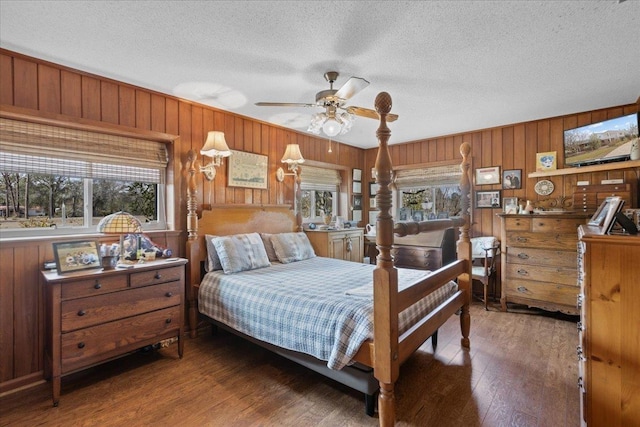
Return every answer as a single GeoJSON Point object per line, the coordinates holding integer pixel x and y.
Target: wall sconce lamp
{"type": "Point", "coordinates": [293, 158]}
{"type": "Point", "coordinates": [215, 147]}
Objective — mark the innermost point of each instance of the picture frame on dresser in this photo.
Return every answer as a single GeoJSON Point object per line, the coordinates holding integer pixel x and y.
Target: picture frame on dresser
{"type": "Point", "coordinates": [76, 256]}
{"type": "Point", "coordinates": [614, 206]}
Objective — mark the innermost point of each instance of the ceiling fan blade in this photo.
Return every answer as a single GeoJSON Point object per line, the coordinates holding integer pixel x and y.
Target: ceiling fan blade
{"type": "Point", "coordinates": [284, 104]}
{"type": "Point", "coordinates": [370, 114]}
{"type": "Point", "coordinates": [351, 87]}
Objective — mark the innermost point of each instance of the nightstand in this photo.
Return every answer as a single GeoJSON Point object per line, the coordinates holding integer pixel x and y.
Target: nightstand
{"type": "Point", "coordinates": [97, 315]}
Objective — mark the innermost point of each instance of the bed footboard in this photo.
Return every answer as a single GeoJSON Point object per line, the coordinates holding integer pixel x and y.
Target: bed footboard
{"type": "Point", "coordinates": [389, 350]}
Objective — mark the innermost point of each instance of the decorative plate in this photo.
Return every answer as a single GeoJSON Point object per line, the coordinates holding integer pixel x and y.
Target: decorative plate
{"type": "Point", "coordinates": [544, 187]}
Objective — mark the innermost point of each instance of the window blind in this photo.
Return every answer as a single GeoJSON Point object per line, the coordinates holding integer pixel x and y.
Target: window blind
{"type": "Point", "coordinates": [27, 147]}
{"type": "Point", "coordinates": [425, 177]}
{"type": "Point", "coordinates": [314, 178]}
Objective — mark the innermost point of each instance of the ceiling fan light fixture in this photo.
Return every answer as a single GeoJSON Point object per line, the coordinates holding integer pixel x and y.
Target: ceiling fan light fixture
{"type": "Point", "coordinates": [331, 127]}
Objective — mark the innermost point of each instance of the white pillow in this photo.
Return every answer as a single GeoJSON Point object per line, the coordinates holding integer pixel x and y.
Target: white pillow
{"type": "Point", "coordinates": [292, 247]}
{"type": "Point", "coordinates": [213, 261]}
{"type": "Point", "coordinates": [268, 246]}
{"type": "Point", "coordinates": [241, 252]}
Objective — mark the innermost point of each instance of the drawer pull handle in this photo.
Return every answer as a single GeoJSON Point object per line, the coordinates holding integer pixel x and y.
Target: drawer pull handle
{"type": "Point", "coordinates": [522, 239]}
{"type": "Point", "coordinates": [522, 289]}
{"type": "Point", "coordinates": [580, 384]}
{"type": "Point", "coordinates": [97, 285]}
{"type": "Point", "coordinates": [579, 303]}
{"type": "Point", "coordinates": [168, 294]}
{"type": "Point", "coordinates": [81, 345]}
{"type": "Point", "coordinates": [81, 313]}
{"type": "Point", "coordinates": [523, 272]}
{"type": "Point", "coordinates": [579, 325]}
{"type": "Point", "coordinates": [167, 321]}
{"type": "Point", "coordinates": [158, 276]}
{"type": "Point", "coordinates": [522, 255]}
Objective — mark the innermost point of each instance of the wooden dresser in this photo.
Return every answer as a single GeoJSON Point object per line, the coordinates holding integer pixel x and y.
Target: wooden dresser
{"type": "Point", "coordinates": [95, 315]}
{"type": "Point", "coordinates": [609, 345]}
{"type": "Point", "coordinates": [347, 244]}
{"type": "Point", "coordinates": [539, 260]}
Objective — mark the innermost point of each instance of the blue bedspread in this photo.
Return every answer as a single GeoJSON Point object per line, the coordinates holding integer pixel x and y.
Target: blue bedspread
{"type": "Point", "coordinates": [319, 306]}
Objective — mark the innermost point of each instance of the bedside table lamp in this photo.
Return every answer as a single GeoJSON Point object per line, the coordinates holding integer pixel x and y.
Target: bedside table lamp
{"type": "Point", "coordinates": [121, 223]}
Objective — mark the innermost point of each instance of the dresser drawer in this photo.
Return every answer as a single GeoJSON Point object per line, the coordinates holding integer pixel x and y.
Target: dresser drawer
{"type": "Point", "coordinates": [561, 275]}
{"type": "Point", "coordinates": [526, 239]}
{"type": "Point", "coordinates": [420, 258]}
{"type": "Point", "coordinates": [519, 223]}
{"type": "Point", "coordinates": [84, 312]}
{"type": "Point", "coordinates": [534, 256]}
{"type": "Point", "coordinates": [555, 225]}
{"type": "Point", "coordinates": [543, 291]}
{"type": "Point", "coordinates": [153, 277]}
{"type": "Point", "coordinates": [97, 343]}
{"type": "Point", "coordinates": [94, 286]}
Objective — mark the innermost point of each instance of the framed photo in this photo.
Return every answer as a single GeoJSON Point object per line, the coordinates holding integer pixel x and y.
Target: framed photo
{"type": "Point", "coordinates": [418, 216]}
{"type": "Point", "coordinates": [488, 199]}
{"type": "Point", "coordinates": [373, 188]}
{"type": "Point", "coordinates": [372, 203]}
{"type": "Point", "coordinates": [76, 256]}
{"type": "Point", "coordinates": [510, 205]}
{"type": "Point", "coordinates": [600, 214]}
{"type": "Point", "coordinates": [247, 170]}
{"type": "Point", "coordinates": [357, 174]}
{"type": "Point", "coordinates": [357, 187]}
{"type": "Point", "coordinates": [546, 161]}
{"type": "Point", "coordinates": [512, 179]}
{"type": "Point", "coordinates": [357, 216]}
{"type": "Point", "coordinates": [357, 203]}
{"type": "Point", "coordinates": [490, 175]}
{"type": "Point", "coordinates": [614, 206]}
{"type": "Point", "coordinates": [405, 214]}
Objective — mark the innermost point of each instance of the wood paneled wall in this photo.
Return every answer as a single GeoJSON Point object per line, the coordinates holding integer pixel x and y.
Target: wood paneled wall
{"type": "Point", "coordinates": [510, 147]}
{"type": "Point", "coordinates": [44, 88]}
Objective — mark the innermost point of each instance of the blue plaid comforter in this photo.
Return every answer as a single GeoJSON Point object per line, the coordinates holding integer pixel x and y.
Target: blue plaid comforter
{"type": "Point", "coordinates": [319, 306]}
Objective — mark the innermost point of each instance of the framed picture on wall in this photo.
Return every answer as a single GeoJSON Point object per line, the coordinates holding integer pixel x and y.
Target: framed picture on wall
{"type": "Point", "coordinates": [247, 170]}
{"type": "Point", "coordinates": [357, 203]}
{"type": "Point", "coordinates": [488, 199]}
{"type": "Point", "coordinates": [512, 179]}
{"type": "Point", "coordinates": [357, 174]}
{"type": "Point", "coordinates": [357, 187]}
{"type": "Point", "coordinates": [489, 175]}
{"type": "Point", "coordinates": [546, 161]}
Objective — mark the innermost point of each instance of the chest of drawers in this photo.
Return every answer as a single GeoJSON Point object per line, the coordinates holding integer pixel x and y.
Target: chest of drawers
{"type": "Point", "coordinates": [539, 260]}
{"type": "Point", "coordinates": [609, 347]}
{"type": "Point", "coordinates": [587, 198]}
{"type": "Point", "coordinates": [97, 315]}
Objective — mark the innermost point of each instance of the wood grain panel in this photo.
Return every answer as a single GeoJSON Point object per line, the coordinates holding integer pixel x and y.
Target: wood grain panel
{"type": "Point", "coordinates": [91, 98]}
{"type": "Point", "coordinates": [25, 79]}
{"type": "Point", "coordinates": [109, 102]}
{"type": "Point", "coordinates": [6, 313]}
{"type": "Point", "coordinates": [49, 89]}
{"type": "Point", "coordinates": [6, 82]}
{"type": "Point", "coordinates": [71, 93]}
{"type": "Point", "coordinates": [158, 113]}
{"type": "Point", "coordinates": [127, 106]}
{"type": "Point", "coordinates": [26, 302]}
{"type": "Point", "coordinates": [143, 110]}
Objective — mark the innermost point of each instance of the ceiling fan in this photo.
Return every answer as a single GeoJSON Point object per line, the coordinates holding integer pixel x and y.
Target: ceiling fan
{"type": "Point", "coordinates": [337, 117]}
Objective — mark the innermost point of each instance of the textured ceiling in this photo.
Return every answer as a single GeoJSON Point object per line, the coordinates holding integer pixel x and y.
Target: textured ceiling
{"type": "Point", "coordinates": [450, 66]}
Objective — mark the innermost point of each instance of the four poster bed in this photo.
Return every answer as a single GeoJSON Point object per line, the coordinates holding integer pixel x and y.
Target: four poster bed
{"type": "Point", "coordinates": [366, 327]}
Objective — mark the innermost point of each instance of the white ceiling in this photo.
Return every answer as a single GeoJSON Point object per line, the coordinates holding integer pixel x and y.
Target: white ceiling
{"type": "Point", "coordinates": [450, 66]}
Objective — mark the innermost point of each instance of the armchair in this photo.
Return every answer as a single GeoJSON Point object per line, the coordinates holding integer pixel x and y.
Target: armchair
{"type": "Point", "coordinates": [484, 252]}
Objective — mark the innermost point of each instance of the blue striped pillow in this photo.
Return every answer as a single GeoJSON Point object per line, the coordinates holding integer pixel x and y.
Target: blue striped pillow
{"type": "Point", "coordinates": [241, 252]}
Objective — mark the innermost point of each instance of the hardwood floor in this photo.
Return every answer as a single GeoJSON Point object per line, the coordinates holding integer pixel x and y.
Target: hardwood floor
{"type": "Point", "coordinates": [521, 371]}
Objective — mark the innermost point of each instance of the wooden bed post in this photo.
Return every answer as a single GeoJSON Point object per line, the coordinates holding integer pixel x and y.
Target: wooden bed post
{"type": "Point", "coordinates": [297, 199]}
{"type": "Point", "coordinates": [192, 240]}
{"type": "Point", "coordinates": [464, 243]}
{"type": "Point", "coordinates": [385, 277]}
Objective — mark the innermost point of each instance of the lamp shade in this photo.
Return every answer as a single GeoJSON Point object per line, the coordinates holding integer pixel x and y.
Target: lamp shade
{"type": "Point", "coordinates": [119, 223]}
{"type": "Point", "coordinates": [292, 155]}
{"type": "Point", "coordinates": [215, 145]}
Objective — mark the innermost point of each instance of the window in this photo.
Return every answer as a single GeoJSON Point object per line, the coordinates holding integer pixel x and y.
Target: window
{"type": "Point", "coordinates": [55, 180]}
{"type": "Point", "coordinates": [320, 194]}
{"type": "Point", "coordinates": [428, 193]}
